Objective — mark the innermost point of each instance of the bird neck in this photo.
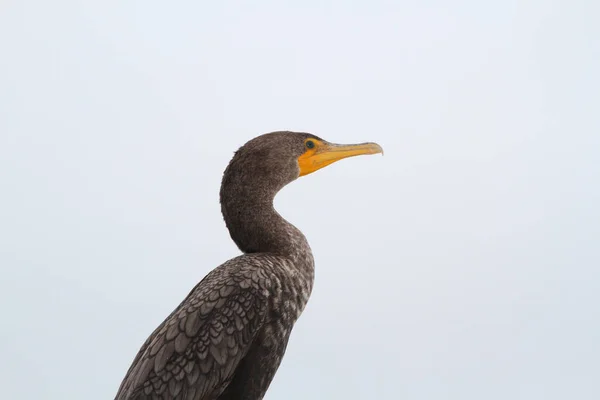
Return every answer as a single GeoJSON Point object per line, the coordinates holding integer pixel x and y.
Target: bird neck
{"type": "Point", "coordinates": [256, 227]}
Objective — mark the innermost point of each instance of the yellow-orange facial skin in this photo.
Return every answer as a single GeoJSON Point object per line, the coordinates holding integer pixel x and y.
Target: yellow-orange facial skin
{"type": "Point", "coordinates": [323, 154]}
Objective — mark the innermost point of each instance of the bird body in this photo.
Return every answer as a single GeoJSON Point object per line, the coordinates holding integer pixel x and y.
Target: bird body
{"type": "Point", "coordinates": [225, 341]}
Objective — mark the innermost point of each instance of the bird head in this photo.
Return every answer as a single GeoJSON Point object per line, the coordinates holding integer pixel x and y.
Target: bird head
{"type": "Point", "coordinates": [274, 159]}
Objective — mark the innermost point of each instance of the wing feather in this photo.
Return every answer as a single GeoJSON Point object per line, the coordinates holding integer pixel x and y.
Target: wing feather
{"type": "Point", "coordinates": [193, 354]}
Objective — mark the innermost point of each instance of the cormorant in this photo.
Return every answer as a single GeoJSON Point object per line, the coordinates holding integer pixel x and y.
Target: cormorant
{"type": "Point", "coordinates": [226, 340]}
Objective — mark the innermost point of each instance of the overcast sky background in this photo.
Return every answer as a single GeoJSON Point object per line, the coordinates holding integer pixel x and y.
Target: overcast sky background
{"type": "Point", "coordinates": [464, 264]}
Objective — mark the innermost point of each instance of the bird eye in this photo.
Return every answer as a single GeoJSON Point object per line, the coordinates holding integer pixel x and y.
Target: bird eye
{"type": "Point", "coordinates": [310, 144]}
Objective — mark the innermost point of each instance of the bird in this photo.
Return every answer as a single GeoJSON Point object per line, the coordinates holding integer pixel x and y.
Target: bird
{"type": "Point", "coordinates": [226, 339]}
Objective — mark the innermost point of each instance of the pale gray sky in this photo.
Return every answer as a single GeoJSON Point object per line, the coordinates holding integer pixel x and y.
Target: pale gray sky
{"type": "Point", "coordinates": [462, 265]}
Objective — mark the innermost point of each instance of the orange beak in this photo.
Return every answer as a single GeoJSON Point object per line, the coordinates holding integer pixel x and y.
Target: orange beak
{"type": "Point", "coordinates": [324, 154]}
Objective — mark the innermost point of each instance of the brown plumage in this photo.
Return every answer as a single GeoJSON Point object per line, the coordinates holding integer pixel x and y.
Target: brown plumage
{"type": "Point", "coordinates": [226, 340]}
